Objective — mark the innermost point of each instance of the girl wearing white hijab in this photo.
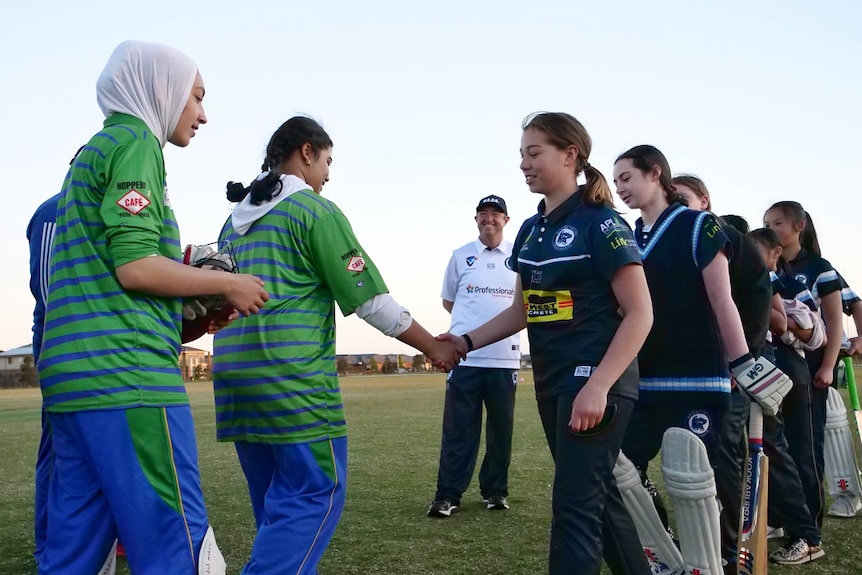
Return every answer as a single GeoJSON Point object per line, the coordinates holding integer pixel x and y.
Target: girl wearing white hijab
{"type": "Point", "coordinates": [124, 454]}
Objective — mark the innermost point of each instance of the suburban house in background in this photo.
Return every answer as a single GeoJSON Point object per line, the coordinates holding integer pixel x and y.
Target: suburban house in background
{"type": "Point", "coordinates": [15, 358]}
{"type": "Point", "coordinates": [195, 364]}
{"type": "Point", "coordinates": [17, 370]}
{"type": "Point", "coordinates": [358, 364]}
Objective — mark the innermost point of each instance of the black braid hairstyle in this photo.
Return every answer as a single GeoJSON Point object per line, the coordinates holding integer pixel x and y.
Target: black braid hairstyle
{"type": "Point", "coordinates": [289, 138]}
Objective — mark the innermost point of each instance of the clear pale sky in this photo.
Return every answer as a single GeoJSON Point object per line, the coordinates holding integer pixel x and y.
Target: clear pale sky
{"type": "Point", "coordinates": [424, 103]}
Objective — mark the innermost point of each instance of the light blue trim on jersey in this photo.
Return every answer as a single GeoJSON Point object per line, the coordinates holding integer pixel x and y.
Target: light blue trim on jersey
{"type": "Point", "coordinates": [554, 260]}
{"type": "Point", "coordinates": [658, 233]}
{"type": "Point", "coordinates": [827, 276]}
{"type": "Point", "coordinates": [695, 236]}
{"type": "Point", "coordinates": [700, 384]}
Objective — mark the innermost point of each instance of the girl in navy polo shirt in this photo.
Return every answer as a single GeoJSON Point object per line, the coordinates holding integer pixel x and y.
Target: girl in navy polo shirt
{"type": "Point", "coordinates": [587, 314]}
{"type": "Point", "coordinates": [805, 264]}
{"type": "Point", "coordinates": [792, 499]}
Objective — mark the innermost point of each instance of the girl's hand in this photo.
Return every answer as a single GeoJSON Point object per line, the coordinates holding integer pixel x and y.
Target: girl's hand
{"type": "Point", "coordinates": [823, 377]}
{"type": "Point", "coordinates": [588, 408]}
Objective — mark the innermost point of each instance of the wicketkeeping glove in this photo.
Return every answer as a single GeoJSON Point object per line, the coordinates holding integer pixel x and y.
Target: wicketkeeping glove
{"type": "Point", "coordinates": [205, 257]}
{"type": "Point", "coordinates": [762, 381]}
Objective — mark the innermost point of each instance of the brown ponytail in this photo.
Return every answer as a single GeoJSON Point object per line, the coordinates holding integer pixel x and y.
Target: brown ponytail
{"type": "Point", "coordinates": [597, 192]}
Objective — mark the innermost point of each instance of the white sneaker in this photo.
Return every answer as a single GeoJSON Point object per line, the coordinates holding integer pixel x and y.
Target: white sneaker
{"type": "Point", "coordinates": [774, 532]}
{"type": "Point", "coordinates": [845, 505]}
{"type": "Point", "coordinates": [797, 552]}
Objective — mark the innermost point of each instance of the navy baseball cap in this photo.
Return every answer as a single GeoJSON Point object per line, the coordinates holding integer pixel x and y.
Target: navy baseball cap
{"type": "Point", "coordinates": [494, 201]}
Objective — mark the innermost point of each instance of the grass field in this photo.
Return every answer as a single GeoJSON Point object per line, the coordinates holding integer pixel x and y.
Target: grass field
{"type": "Point", "coordinates": [394, 447]}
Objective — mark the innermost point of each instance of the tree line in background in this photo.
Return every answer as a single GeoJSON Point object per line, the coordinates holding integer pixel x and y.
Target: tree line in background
{"type": "Point", "coordinates": [345, 367]}
{"type": "Point", "coordinates": [28, 376]}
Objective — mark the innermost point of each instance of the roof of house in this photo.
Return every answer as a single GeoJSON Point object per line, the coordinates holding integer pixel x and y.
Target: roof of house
{"type": "Point", "coordinates": [188, 348]}
{"type": "Point", "coordinates": [19, 351]}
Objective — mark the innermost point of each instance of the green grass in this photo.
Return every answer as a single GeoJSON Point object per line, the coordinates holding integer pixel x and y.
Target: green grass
{"type": "Point", "coordinates": [394, 447]}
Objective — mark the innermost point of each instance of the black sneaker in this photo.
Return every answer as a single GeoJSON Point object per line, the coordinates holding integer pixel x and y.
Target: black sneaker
{"type": "Point", "coordinates": [442, 508]}
{"type": "Point", "coordinates": [497, 503]}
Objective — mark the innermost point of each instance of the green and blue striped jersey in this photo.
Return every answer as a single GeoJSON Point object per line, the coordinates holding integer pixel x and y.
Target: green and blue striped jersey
{"type": "Point", "coordinates": [274, 373]}
{"type": "Point", "coordinates": [106, 347]}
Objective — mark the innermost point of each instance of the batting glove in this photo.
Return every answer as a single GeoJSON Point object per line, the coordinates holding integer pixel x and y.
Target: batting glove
{"type": "Point", "coordinates": [760, 379]}
{"type": "Point", "coordinates": [205, 257]}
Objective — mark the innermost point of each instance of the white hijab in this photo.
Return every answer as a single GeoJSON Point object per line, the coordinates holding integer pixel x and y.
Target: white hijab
{"type": "Point", "coordinates": [151, 82]}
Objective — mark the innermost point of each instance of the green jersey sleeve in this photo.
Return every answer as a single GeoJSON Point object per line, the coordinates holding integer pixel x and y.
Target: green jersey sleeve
{"type": "Point", "coordinates": [342, 263]}
{"type": "Point", "coordinates": [133, 205]}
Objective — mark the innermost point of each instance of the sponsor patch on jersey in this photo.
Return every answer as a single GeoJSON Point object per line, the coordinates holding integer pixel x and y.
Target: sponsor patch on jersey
{"type": "Point", "coordinates": [699, 422]}
{"type": "Point", "coordinates": [359, 284]}
{"type": "Point", "coordinates": [356, 264]}
{"type": "Point", "coordinates": [565, 237]}
{"type": "Point", "coordinates": [535, 277]}
{"type": "Point", "coordinates": [350, 254]}
{"type": "Point", "coordinates": [714, 229]}
{"type": "Point", "coordinates": [801, 278]}
{"type": "Point", "coordinates": [131, 186]}
{"type": "Point", "coordinates": [610, 226]}
{"type": "Point", "coordinates": [621, 242]}
{"type": "Point", "coordinates": [490, 266]}
{"type": "Point", "coordinates": [583, 371]}
{"type": "Point", "coordinates": [133, 202]}
{"type": "Point", "coordinates": [471, 260]}
{"type": "Point", "coordinates": [544, 306]}
{"type": "Point", "coordinates": [495, 291]}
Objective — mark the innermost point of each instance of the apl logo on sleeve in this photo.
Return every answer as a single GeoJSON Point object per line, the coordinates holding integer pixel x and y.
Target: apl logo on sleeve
{"type": "Point", "coordinates": [133, 202]}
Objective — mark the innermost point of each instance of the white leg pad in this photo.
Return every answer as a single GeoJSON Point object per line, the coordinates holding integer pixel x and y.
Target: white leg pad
{"type": "Point", "coordinates": [690, 483]}
{"type": "Point", "coordinates": [662, 553]}
{"type": "Point", "coordinates": [841, 469]}
{"type": "Point", "coordinates": [210, 560]}
{"type": "Point", "coordinates": [110, 565]}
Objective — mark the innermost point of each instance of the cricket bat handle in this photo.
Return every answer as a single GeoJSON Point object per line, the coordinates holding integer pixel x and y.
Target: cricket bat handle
{"type": "Point", "coordinates": [851, 383]}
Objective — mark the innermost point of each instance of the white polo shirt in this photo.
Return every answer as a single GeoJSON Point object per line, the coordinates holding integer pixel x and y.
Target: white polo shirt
{"type": "Point", "coordinates": [481, 286]}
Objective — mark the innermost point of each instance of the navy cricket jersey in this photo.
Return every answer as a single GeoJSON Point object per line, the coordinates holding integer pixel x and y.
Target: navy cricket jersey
{"type": "Point", "coordinates": [815, 273]}
{"type": "Point", "coordinates": [683, 360]}
{"type": "Point", "coordinates": [848, 297]}
{"type": "Point", "coordinates": [750, 288]}
{"type": "Point", "coordinates": [821, 279]}
{"type": "Point", "coordinates": [787, 358]}
{"type": "Point", "coordinates": [790, 288]}
{"type": "Point", "coordinates": [775, 281]}
{"type": "Point", "coordinates": [566, 261]}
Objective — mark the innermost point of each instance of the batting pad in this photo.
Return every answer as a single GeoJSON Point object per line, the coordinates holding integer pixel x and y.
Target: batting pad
{"type": "Point", "coordinates": [660, 550]}
{"type": "Point", "coordinates": [110, 565]}
{"type": "Point", "coordinates": [210, 559]}
{"type": "Point", "coordinates": [690, 483]}
{"type": "Point", "coordinates": [842, 472]}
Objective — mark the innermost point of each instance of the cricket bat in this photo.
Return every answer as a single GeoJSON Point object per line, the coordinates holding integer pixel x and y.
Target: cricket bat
{"type": "Point", "coordinates": [854, 394]}
{"type": "Point", "coordinates": [751, 548]}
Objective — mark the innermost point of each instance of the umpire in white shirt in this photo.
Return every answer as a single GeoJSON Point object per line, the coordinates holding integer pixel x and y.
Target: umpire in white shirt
{"type": "Point", "coordinates": [478, 285]}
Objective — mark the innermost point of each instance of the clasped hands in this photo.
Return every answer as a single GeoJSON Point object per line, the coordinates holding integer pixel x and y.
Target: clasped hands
{"type": "Point", "coordinates": [448, 350]}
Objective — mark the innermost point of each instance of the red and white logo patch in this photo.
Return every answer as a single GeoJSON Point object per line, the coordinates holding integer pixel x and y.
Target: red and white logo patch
{"type": "Point", "coordinates": [133, 202]}
{"type": "Point", "coordinates": [356, 264]}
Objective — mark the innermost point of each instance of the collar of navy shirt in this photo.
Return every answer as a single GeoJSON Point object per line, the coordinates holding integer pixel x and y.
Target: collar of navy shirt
{"type": "Point", "coordinates": [571, 203]}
